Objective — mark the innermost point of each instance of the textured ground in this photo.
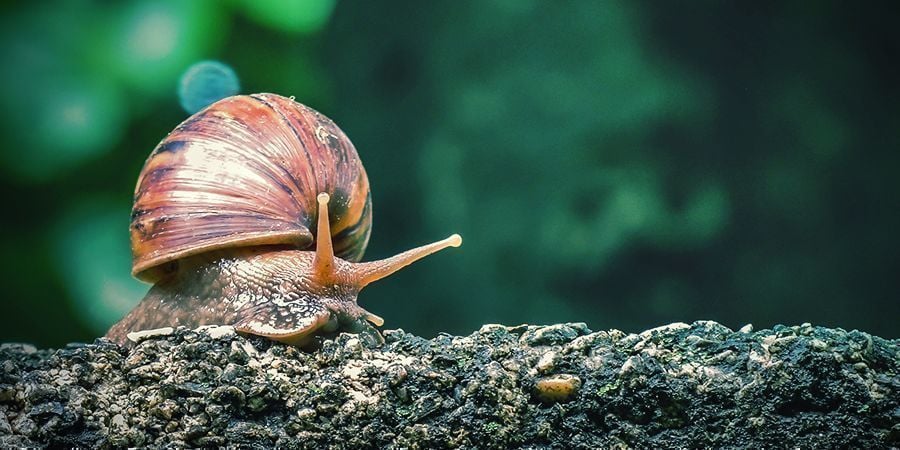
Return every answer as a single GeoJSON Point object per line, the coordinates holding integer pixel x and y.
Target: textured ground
{"type": "Point", "coordinates": [560, 386]}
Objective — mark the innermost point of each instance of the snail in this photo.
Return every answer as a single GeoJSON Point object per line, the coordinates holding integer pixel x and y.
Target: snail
{"type": "Point", "coordinates": [222, 225]}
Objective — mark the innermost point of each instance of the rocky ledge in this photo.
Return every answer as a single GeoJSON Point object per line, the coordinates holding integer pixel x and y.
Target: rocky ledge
{"type": "Point", "coordinates": [559, 386]}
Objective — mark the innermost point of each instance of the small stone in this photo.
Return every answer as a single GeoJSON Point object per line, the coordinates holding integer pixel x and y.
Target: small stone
{"type": "Point", "coordinates": [402, 393]}
{"type": "Point", "coordinates": [782, 343]}
{"type": "Point", "coordinates": [818, 345]}
{"type": "Point", "coordinates": [557, 388]}
{"type": "Point", "coordinates": [18, 347]}
{"type": "Point", "coordinates": [164, 410]}
{"type": "Point", "coordinates": [631, 364]}
{"type": "Point", "coordinates": [249, 349]}
{"type": "Point", "coordinates": [238, 354]}
{"type": "Point", "coordinates": [5, 428]}
{"type": "Point", "coordinates": [396, 374]}
{"type": "Point", "coordinates": [257, 404]}
{"type": "Point", "coordinates": [353, 346]}
{"type": "Point", "coordinates": [492, 328]}
{"type": "Point", "coordinates": [547, 362]}
{"type": "Point", "coordinates": [746, 329]}
{"type": "Point", "coordinates": [306, 413]}
{"type": "Point", "coordinates": [7, 392]}
{"type": "Point", "coordinates": [698, 341]}
{"type": "Point", "coordinates": [211, 441]}
{"type": "Point", "coordinates": [138, 336]}
{"type": "Point", "coordinates": [218, 331]}
{"type": "Point", "coordinates": [665, 329]}
{"type": "Point", "coordinates": [228, 394]}
{"type": "Point", "coordinates": [583, 343]}
{"type": "Point", "coordinates": [554, 334]}
{"type": "Point", "coordinates": [118, 422]}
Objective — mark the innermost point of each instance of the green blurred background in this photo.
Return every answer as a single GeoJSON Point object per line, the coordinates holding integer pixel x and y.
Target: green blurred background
{"type": "Point", "coordinates": [626, 164]}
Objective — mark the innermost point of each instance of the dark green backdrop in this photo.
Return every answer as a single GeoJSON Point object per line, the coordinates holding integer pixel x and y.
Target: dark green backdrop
{"type": "Point", "coordinates": [626, 164]}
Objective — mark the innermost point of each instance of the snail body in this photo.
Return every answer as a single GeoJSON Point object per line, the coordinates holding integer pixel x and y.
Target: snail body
{"type": "Point", "coordinates": [254, 212]}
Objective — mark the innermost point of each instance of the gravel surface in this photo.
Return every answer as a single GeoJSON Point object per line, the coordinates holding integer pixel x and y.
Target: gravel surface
{"type": "Point", "coordinates": [558, 386]}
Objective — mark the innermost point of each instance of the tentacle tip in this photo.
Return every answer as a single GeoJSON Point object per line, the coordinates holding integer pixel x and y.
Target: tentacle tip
{"type": "Point", "coordinates": [323, 198]}
{"type": "Point", "coordinates": [374, 319]}
{"type": "Point", "coordinates": [454, 240]}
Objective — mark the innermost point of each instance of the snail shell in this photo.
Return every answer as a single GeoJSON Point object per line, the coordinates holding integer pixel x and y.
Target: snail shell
{"type": "Point", "coordinates": [240, 173]}
{"type": "Point", "coordinates": [253, 213]}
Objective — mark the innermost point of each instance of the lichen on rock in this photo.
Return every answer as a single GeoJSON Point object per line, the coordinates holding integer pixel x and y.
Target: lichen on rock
{"type": "Point", "coordinates": [558, 386]}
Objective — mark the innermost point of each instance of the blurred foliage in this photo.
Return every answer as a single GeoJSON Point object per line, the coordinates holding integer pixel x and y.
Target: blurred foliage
{"type": "Point", "coordinates": [622, 163]}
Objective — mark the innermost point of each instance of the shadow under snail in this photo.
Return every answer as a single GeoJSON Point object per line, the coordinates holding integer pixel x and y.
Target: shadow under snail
{"type": "Point", "coordinates": [222, 224]}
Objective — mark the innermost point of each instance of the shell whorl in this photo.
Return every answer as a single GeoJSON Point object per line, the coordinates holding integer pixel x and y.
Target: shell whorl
{"type": "Point", "coordinates": [245, 171]}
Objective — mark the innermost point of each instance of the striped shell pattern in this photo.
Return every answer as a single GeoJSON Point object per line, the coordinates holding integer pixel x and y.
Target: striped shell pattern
{"type": "Point", "coordinates": [245, 171]}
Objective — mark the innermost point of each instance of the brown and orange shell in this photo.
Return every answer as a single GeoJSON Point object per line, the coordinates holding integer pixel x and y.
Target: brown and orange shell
{"type": "Point", "coordinates": [245, 171]}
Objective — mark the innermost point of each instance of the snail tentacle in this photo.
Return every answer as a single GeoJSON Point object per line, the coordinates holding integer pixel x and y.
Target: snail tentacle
{"type": "Point", "coordinates": [323, 264]}
{"type": "Point", "coordinates": [367, 272]}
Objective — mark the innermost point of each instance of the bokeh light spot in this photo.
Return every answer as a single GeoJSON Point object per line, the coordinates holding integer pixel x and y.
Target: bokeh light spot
{"type": "Point", "coordinates": [65, 123]}
{"type": "Point", "coordinates": [154, 36]}
{"type": "Point", "coordinates": [205, 83]}
{"type": "Point", "coordinates": [151, 42]}
{"type": "Point", "coordinates": [60, 113]}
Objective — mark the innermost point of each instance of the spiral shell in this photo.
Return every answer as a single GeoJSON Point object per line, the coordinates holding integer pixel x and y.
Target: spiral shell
{"type": "Point", "coordinates": [245, 172]}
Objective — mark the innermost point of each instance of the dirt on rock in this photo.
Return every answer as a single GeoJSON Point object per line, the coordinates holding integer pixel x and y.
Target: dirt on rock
{"type": "Point", "coordinates": [558, 386]}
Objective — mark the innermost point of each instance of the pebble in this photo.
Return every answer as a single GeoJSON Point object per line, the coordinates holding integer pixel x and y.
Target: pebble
{"type": "Point", "coordinates": [118, 421]}
{"type": "Point", "coordinates": [557, 388]}
{"type": "Point", "coordinates": [138, 336]}
{"type": "Point", "coordinates": [554, 334]}
{"type": "Point", "coordinates": [665, 329]}
{"type": "Point", "coordinates": [218, 331]}
{"type": "Point", "coordinates": [818, 345]}
{"type": "Point", "coordinates": [547, 362]}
